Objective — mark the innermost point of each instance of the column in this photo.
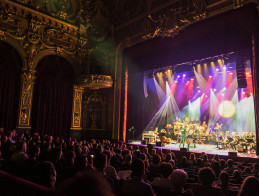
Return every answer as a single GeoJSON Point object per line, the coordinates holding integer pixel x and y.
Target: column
{"type": "Point", "coordinates": [77, 105]}
{"type": "Point", "coordinates": [28, 81]}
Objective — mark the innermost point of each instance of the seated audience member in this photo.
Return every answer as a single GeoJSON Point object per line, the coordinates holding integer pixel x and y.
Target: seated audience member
{"type": "Point", "coordinates": [155, 166]}
{"type": "Point", "coordinates": [178, 179]}
{"type": "Point", "coordinates": [255, 169]}
{"type": "Point", "coordinates": [250, 187]}
{"type": "Point", "coordinates": [20, 155]}
{"type": "Point", "coordinates": [126, 164]}
{"type": "Point", "coordinates": [206, 177]}
{"type": "Point", "coordinates": [183, 162]}
{"type": "Point", "coordinates": [216, 158]}
{"type": "Point", "coordinates": [205, 161]}
{"type": "Point", "coordinates": [216, 168]}
{"type": "Point", "coordinates": [230, 166]}
{"type": "Point", "coordinates": [247, 171]}
{"type": "Point", "coordinates": [86, 183]}
{"type": "Point", "coordinates": [237, 178]}
{"type": "Point", "coordinates": [192, 159]}
{"type": "Point", "coordinates": [222, 164]}
{"type": "Point", "coordinates": [45, 174]}
{"type": "Point", "coordinates": [136, 185]}
{"type": "Point", "coordinates": [164, 181]}
{"type": "Point", "coordinates": [224, 185]}
{"type": "Point", "coordinates": [169, 159]}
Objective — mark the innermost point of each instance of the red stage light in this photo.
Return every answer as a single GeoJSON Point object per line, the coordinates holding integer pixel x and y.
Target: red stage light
{"type": "Point", "coordinates": [230, 73]}
{"type": "Point", "coordinates": [243, 93]}
{"type": "Point", "coordinates": [210, 76]}
{"type": "Point", "coordinates": [247, 73]}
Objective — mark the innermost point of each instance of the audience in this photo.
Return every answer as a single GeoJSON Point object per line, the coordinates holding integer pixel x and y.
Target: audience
{"type": "Point", "coordinates": [249, 187]}
{"type": "Point", "coordinates": [118, 168]}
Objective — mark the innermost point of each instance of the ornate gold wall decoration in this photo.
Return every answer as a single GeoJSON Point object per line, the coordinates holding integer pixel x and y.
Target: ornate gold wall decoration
{"type": "Point", "coordinates": [28, 80]}
{"type": "Point", "coordinates": [94, 81]}
{"type": "Point", "coordinates": [77, 103]}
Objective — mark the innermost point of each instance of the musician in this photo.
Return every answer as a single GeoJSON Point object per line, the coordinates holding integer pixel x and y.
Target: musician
{"type": "Point", "coordinates": [204, 124]}
{"type": "Point", "coordinates": [197, 120]}
{"type": "Point", "coordinates": [217, 128]}
{"type": "Point", "coordinates": [183, 135]}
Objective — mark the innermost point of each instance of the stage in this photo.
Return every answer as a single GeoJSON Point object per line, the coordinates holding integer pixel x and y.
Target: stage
{"type": "Point", "coordinates": [207, 148]}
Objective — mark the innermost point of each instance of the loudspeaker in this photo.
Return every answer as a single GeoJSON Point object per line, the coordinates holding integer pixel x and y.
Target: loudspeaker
{"type": "Point", "coordinates": [232, 154]}
{"type": "Point", "coordinates": [184, 149]}
{"type": "Point", "coordinates": [159, 144]}
{"type": "Point", "coordinates": [240, 69]}
{"type": "Point", "coordinates": [144, 142]}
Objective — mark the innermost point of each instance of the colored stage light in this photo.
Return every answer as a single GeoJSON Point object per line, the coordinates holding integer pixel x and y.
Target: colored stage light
{"type": "Point", "coordinates": [199, 91]}
{"type": "Point", "coordinates": [192, 79]}
{"type": "Point", "coordinates": [243, 93]}
{"type": "Point", "coordinates": [230, 73]}
{"type": "Point", "coordinates": [178, 76]}
{"type": "Point", "coordinates": [184, 75]}
{"type": "Point", "coordinates": [224, 68]}
{"type": "Point", "coordinates": [214, 90]}
{"type": "Point", "coordinates": [226, 109]}
{"type": "Point", "coordinates": [247, 73]}
{"type": "Point", "coordinates": [217, 69]}
{"type": "Point", "coordinates": [210, 76]}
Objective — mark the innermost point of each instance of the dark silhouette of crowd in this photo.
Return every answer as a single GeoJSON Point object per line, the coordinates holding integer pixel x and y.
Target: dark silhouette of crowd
{"type": "Point", "coordinates": [102, 167]}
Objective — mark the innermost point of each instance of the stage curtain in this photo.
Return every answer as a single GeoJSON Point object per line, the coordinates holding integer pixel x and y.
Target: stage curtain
{"type": "Point", "coordinates": [10, 68]}
{"type": "Point", "coordinates": [52, 97]}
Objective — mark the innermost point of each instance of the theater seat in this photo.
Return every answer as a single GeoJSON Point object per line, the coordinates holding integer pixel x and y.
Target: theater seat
{"type": "Point", "coordinates": [12, 185]}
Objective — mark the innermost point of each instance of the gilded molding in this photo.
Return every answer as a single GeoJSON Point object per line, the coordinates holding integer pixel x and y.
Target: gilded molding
{"type": "Point", "coordinates": [28, 80]}
{"type": "Point", "coordinates": [77, 107]}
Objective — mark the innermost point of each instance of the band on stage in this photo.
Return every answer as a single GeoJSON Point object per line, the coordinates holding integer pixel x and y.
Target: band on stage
{"type": "Point", "coordinates": [191, 131]}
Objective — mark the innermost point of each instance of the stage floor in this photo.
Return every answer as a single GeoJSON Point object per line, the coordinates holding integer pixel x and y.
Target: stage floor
{"type": "Point", "coordinates": [207, 148]}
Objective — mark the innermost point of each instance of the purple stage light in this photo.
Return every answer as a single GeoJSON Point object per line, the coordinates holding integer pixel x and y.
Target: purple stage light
{"type": "Point", "coordinates": [217, 69]}
{"type": "Point", "coordinates": [224, 68]}
{"type": "Point", "coordinates": [178, 76]}
{"type": "Point", "coordinates": [199, 91]}
{"type": "Point", "coordinates": [214, 90]}
{"type": "Point", "coordinates": [184, 75]}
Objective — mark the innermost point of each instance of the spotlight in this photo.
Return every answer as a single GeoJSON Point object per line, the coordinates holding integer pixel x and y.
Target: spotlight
{"type": "Point", "coordinates": [206, 95]}
{"type": "Point", "coordinates": [230, 73]}
{"type": "Point", "coordinates": [219, 60]}
{"type": "Point", "coordinates": [214, 90]}
{"type": "Point", "coordinates": [222, 94]}
{"type": "Point", "coordinates": [217, 69]}
{"type": "Point", "coordinates": [199, 91]}
{"type": "Point", "coordinates": [224, 88]}
{"type": "Point", "coordinates": [178, 76]}
{"type": "Point", "coordinates": [243, 93]}
{"type": "Point", "coordinates": [247, 73]}
{"type": "Point", "coordinates": [192, 79]}
{"type": "Point", "coordinates": [224, 68]}
{"type": "Point", "coordinates": [184, 75]}
{"type": "Point", "coordinates": [210, 76]}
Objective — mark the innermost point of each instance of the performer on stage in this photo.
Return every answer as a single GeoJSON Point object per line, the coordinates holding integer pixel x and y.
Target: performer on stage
{"type": "Point", "coordinates": [183, 135]}
{"type": "Point", "coordinates": [217, 128]}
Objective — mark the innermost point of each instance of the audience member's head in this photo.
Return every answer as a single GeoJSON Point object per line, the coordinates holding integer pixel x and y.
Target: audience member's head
{"type": "Point", "coordinates": [166, 169]}
{"type": "Point", "coordinates": [100, 161]}
{"type": "Point", "coordinates": [138, 168]}
{"type": "Point", "coordinates": [156, 159]}
{"type": "Point", "coordinates": [249, 187]}
{"type": "Point", "coordinates": [45, 174]}
{"type": "Point", "coordinates": [230, 162]}
{"type": "Point", "coordinates": [206, 176]}
{"type": "Point", "coordinates": [192, 157]}
{"type": "Point", "coordinates": [87, 183]}
{"type": "Point", "coordinates": [224, 178]}
{"type": "Point", "coordinates": [179, 178]}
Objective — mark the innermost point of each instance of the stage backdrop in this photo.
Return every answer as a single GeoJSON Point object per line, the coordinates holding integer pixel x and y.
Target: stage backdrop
{"type": "Point", "coordinates": [52, 97]}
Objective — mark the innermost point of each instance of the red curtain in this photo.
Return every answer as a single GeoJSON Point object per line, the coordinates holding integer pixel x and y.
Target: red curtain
{"type": "Point", "coordinates": [52, 97]}
{"type": "Point", "coordinates": [10, 68]}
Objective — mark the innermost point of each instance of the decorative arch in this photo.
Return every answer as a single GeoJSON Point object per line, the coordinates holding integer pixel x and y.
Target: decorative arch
{"type": "Point", "coordinates": [22, 51]}
{"type": "Point", "coordinates": [10, 74]}
{"type": "Point", "coordinates": [55, 52]}
{"type": "Point", "coordinates": [52, 96]}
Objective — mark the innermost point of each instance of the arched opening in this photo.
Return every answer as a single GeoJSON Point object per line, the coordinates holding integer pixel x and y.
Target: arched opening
{"type": "Point", "coordinates": [10, 71]}
{"type": "Point", "coordinates": [52, 97]}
